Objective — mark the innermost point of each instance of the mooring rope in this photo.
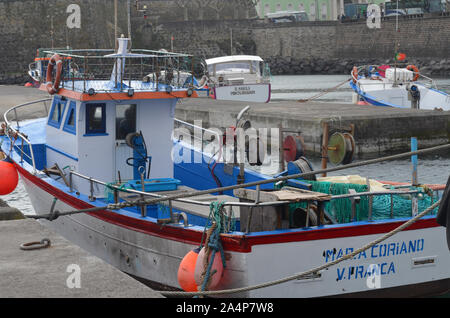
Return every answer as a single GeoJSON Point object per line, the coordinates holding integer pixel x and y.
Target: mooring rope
{"type": "Point", "coordinates": [309, 272]}
{"type": "Point", "coordinates": [117, 206]}
{"type": "Point", "coordinates": [324, 92]}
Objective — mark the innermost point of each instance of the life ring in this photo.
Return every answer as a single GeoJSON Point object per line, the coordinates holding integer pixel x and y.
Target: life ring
{"type": "Point", "coordinates": [414, 69]}
{"type": "Point", "coordinates": [53, 86]}
{"type": "Point", "coordinates": [354, 73]}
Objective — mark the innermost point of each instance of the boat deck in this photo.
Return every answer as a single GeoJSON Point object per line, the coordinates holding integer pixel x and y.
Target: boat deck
{"type": "Point", "coordinates": [194, 209]}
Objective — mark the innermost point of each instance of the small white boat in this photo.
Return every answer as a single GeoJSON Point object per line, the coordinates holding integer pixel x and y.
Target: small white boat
{"type": "Point", "coordinates": [397, 87]}
{"type": "Point", "coordinates": [238, 78]}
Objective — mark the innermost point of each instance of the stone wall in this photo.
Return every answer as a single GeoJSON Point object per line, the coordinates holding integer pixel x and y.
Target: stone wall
{"type": "Point", "coordinates": [26, 25]}
{"type": "Point", "coordinates": [299, 48]}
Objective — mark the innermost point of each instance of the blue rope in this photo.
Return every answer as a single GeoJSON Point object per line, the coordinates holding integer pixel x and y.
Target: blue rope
{"type": "Point", "coordinates": [214, 240]}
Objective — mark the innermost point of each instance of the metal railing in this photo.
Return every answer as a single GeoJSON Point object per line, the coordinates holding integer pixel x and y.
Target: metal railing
{"type": "Point", "coordinates": [14, 133]}
{"type": "Point", "coordinates": [256, 203]}
{"type": "Point", "coordinates": [103, 70]}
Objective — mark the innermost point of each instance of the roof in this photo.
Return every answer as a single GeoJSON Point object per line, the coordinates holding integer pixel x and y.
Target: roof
{"type": "Point", "coordinates": [233, 58]}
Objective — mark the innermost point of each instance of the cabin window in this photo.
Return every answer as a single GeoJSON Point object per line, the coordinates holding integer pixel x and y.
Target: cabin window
{"type": "Point", "coordinates": [57, 111]}
{"type": "Point", "coordinates": [95, 119]}
{"type": "Point", "coordinates": [69, 124]}
{"type": "Point", "coordinates": [125, 121]}
{"type": "Point", "coordinates": [243, 67]}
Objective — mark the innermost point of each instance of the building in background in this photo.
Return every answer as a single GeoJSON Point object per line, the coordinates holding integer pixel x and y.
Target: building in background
{"type": "Point", "coordinates": [316, 10]}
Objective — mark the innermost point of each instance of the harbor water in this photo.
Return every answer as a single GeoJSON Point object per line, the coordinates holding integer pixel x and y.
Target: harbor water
{"type": "Point", "coordinates": [433, 168]}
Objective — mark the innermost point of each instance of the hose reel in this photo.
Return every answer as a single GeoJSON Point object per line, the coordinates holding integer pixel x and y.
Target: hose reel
{"type": "Point", "coordinates": [293, 148]}
{"type": "Point", "coordinates": [140, 157]}
{"type": "Point", "coordinates": [301, 165]}
{"type": "Point", "coordinates": [341, 148]}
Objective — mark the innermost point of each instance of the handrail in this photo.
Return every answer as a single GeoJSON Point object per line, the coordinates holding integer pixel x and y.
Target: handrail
{"type": "Point", "coordinates": [10, 128]}
{"type": "Point", "coordinates": [154, 195]}
{"type": "Point", "coordinates": [231, 203]}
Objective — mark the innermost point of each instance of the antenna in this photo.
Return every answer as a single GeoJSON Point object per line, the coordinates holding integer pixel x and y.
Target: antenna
{"type": "Point", "coordinates": [129, 19]}
{"type": "Point", "coordinates": [116, 35]}
{"type": "Point", "coordinates": [396, 48]}
{"type": "Point", "coordinates": [396, 19]}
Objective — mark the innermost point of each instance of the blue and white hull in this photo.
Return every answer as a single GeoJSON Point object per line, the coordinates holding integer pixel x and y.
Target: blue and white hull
{"type": "Point", "coordinates": [381, 91]}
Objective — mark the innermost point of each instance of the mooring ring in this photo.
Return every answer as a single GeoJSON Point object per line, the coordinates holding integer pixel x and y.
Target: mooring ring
{"type": "Point", "coordinates": [44, 243]}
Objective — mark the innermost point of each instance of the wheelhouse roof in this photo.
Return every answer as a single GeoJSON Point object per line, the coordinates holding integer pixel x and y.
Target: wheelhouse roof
{"type": "Point", "coordinates": [233, 58]}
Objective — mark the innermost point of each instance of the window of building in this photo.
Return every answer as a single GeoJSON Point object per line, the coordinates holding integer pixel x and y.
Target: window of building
{"type": "Point", "coordinates": [57, 111]}
{"type": "Point", "coordinates": [95, 119]}
{"type": "Point", "coordinates": [324, 11]}
{"type": "Point", "coordinates": [312, 11]}
{"type": "Point", "coordinates": [69, 124]}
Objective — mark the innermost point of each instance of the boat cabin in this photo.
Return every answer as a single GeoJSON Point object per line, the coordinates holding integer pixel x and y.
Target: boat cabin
{"type": "Point", "coordinates": [117, 127]}
{"type": "Point", "coordinates": [237, 69]}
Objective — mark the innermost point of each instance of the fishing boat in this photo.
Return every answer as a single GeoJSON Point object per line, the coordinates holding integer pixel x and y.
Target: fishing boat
{"type": "Point", "coordinates": [37, 69]}
{"type": "Point", "coordinates": [104, 169]}
{"type": "Point", "coordinates": [383, 85]}
{"type": "Point", "coordinates": [238, 78]}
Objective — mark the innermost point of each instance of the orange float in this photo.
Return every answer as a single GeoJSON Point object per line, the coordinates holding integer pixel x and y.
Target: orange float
{"type": "Point", "coordinates": [53, 86]}
{"type": "Point", "coordinates": [186, 271]}
{"type": "Point", "coordinates": [9, 177]}
{"type": "Point", "coordinates": [354, 73]}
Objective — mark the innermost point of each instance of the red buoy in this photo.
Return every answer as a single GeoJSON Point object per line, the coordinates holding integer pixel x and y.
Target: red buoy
{"type": "Point", "coordinates": [216, 269]}
{"type": "Point", "coordinates": [186, 272]}
{"type": "Point", "coordinates": [9, 178]}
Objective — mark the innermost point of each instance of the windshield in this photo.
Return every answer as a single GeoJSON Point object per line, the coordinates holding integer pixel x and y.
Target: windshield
{"type": "Point", "coordinates": [235, 67]}
{"type": "Point", "coordinates": [242, 67]}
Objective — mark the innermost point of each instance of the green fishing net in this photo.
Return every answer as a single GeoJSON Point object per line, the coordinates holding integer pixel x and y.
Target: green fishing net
{"type": "Point", "coordinates": [341, 209]}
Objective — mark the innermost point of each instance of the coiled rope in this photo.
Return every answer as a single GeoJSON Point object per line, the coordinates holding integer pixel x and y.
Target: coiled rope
{"type": "Point", "coordinates": [213, 243]}
{"type": "Point", "coordinates": [309, 272]}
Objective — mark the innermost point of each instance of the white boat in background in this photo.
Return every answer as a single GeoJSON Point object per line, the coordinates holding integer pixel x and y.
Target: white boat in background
{"type": "Point", "coordinates": [238, 78]}
{"type": "Point", "coordinates": [397, 87]}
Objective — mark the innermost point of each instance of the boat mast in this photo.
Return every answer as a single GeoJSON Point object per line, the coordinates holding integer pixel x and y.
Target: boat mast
{"type": "Point", "coordinates": [116, 35]}
{"type": "Point", "coordinates": [396, 48]}
{"type": "Point", "coordinates": [129, 19]}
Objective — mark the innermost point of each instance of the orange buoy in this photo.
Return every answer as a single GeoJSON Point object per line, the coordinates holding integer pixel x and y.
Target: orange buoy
{"type": "Point", "coordinates": [28, 84]}
{"type": "Point", "coordinates": [361, 102]}
{"type": "Point", "coordinates": [355, 74]}
{"type": "Point", "coordinates": [186, 271]}
{"type": "Point", "coordinates": [215, 272]}
{"type": "Point", "coordinates": [9, 178]}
